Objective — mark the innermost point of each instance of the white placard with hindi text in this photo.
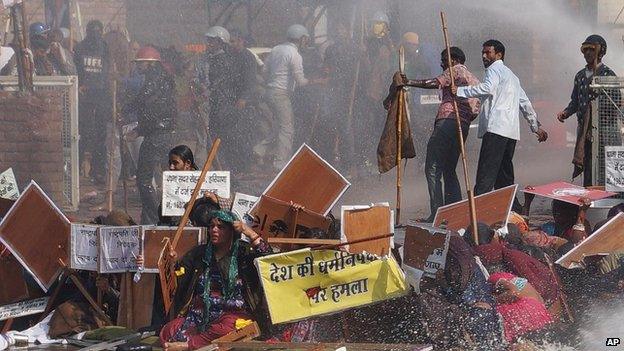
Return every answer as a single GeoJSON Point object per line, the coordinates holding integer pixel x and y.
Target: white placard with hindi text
{"type": "Point", "coordinates": [178, 187]}
{"type": "Point", "coordinates": [23, 308]}
{"type": "Point", "coordinates": [84, 247]}
{"type": "Point", "coordinates": [8, 185]}
{"type": "Point", "coordinates": [614, 168]}
{"type": "Point", "coordinates": [241, 206]}
{"type": "Point", "coordinates": [119, 248]}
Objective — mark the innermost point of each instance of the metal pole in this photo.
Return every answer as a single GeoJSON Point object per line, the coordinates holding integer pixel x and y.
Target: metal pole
{"type": "Point", "coordinates": [471, 200]}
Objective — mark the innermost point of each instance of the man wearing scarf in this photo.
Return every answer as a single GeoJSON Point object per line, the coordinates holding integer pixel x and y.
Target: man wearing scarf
{"type": "Point", "coordinates": [593, 48]}
{"type": "Point", "coordinates": [92, 61]}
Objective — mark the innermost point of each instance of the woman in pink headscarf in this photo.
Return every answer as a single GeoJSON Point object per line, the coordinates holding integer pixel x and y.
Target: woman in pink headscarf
{"type": "Point", "coordinates": [519, 304]}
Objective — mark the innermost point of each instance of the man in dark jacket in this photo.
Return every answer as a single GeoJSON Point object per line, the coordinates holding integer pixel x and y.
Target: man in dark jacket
{"type": "Point", "coordinates": [92, 61]}
{"type": "Point", "coordinates": [156, 109]}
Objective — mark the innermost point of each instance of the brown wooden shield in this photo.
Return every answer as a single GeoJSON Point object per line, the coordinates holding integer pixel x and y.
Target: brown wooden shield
{"type": "Point", "coordinates": [367, 222]}
{"type": "Point", "coordinates": [420, 244]}
{"type": "Point", "coordinates": [153, 243]}
{"type": "Point", "coordinates": [492, 208]}
{"type": "Point", "coordinates": [308, 180]}
{"type": "Point", "coordinates": [37, 234]}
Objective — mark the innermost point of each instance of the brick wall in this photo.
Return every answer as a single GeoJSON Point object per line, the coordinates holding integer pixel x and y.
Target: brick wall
{"type": "Point", "coordinates": [30, 140]}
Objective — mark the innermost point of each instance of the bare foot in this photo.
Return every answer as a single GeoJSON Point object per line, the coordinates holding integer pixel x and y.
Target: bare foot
{"type": "Point", "coordinates": [176, 346]}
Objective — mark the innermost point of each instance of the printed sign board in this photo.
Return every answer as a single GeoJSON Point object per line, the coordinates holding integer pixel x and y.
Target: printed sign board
{"type": "Point", "coordinates": [23, 308]}
{"type": "Point", "coordinates": [614, 168]}
{"type": "Point", "coordinates": [242, 205]}
{"type": "Point", "coordinates": [178, 187]}
{"type": "Point", "coordinates": [119, 248]}
{"type": "Point", "coordinates": [84, 247]}
{"type": "Point", "coordinates": [8, 185]}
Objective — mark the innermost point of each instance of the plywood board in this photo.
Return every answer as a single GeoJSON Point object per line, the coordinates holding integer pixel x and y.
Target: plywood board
{"type": "Point", "coordinates": [5, 206]}
{"type": "Point", "coordinates": [153, 243]}
{"type": "Point", "coordinates": [567, 192]}
{"type": "Point", "coordinates": [425, 248]}
{"type": "Point", "coordinates": [136, 301]}
{"type": "Point", "coordinates": [606, 240]}
{"type": "Point", "coordinates": [37, 234]}
{"type": "Point", "coordinates": [11, 271]}
{"type": "Point", "coordinates": [275, 218]}
{"type": "Point", "coordinates": [492, 208]}
{"type": "Point", "coordinates": [308, 180]}
{"type": "Point", "coordinates": [361, 222]}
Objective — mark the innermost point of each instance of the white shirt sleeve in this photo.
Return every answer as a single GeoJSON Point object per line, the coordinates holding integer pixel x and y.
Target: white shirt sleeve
{"type": "Point", "coordinates": [296, 65]}
{"type": "Point", "coordinates": [528, 112]}
{"type": "Point", "coordinates": [487, 87]}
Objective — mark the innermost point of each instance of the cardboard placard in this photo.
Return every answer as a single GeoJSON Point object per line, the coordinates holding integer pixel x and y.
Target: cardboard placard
{"type": "Point", "coordinates": [614, 168]}
{"type": "Point", "coordinates": [37, 234]}
{"type": "Point", "coordinates": [11, 271]}
{"type": "Point", "coordinates": [361, 222]}
{"type": "Point", "coordinates": [567, 192]}
{"type": "Point", "coordinates": [606, 240]}
{"type": "Point", "coordinates": [305, 283]}
{"type": "Point", "coordinates": [119, 248]}
{"type": "Point", "coordinates": [242, 205]}
{"type": "Point", "coordinates": [84, 247]}
{"type": "Point", "coordinates": [23, 308]}
{"type": "Point", "coordinates": [8, 185]}
{"type": "Point", "coordinates": [274, 218]}
{"type": "Point", "coordinates": [308, 180]}
{"type": "Point", "coordinates": [425, 249]}
{"type": "Point", "coordinates": [178, 187]}
{"type": "Point", "coordinates": [492, 208]}
{"type": "Point", "coordinates": [153, 243]}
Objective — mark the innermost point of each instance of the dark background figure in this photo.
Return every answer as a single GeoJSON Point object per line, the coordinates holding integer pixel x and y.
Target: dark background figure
{"type": "Point", "coordinates": [217, 76]}
{"type": "Point", "coordinates": [341, 61]}
{"type": "Point", "coordinates": [593, 48]}
{"type": "Point", "coordinates": [156, 110]}
{"type": "Point", "coordinates": [92, 60]}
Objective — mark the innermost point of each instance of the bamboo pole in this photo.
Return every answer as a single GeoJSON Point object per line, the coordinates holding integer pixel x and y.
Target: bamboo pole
{"type": "Point", "coordinates": [399, 139]}
{"type": "Point", "coordinates": [111, 152]}
{"type": "Point", "coordinates": [460, 135]}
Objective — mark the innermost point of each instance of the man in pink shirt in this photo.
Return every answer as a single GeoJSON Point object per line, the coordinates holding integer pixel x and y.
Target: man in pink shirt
{"type": "Point", "coordinates": [443, 146]}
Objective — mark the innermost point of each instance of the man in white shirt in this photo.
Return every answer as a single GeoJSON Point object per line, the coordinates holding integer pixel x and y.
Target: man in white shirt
{"type": "Point", "coordinates": [502, 102]}
{"type": "Point", "coordinates": [284, 72]}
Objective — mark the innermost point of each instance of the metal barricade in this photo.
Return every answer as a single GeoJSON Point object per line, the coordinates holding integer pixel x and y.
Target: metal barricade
{"type": "Point", "coordinates": [607, 129]}
{"type": "Point", "coordinates": [68, 85]}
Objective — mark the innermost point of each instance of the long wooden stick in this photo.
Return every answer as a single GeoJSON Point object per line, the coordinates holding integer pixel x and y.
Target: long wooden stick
{"type": "Point", "coordinates": [111, 152]}
{"type": "Point", "coordinates": [399, 135]}
{"type": "Point", "coordinates": [460, 135]}
{"type": "Point", "coordinates": [335, 246]}
{"type": "Point", "coordinates": [200, 181]}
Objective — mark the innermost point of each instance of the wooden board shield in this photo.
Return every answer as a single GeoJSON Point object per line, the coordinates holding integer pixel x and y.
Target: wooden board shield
{"type": "Point", "coordinates": [11, 271]}
{"type": "Point", "coordinates": [492, 208]}
{"type": "Point", "coordinates": [37, 234]}
{"type": "Point", "coordinates": [606, 240]}
{"type": "Point", "coordinates": [567, 192]}
{"type": "Point", "coordinates": [425, 248]}
{"type": "Point", "coordinates": [153, 243]}
{"type": "Point", "coordinates": [273, 218]}
{"type": "Point", "coordinates": [361, 222]}
{"type": "Point", "coordinates": [308, 180]}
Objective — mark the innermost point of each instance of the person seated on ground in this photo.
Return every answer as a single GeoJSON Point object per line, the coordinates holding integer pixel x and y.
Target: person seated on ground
{"type": "Point", "coordinates": [529, 241]}
{"type": "Point", "coordinates": [218, 284]}
{"type": "Point", "coordinates": [497, 257]}
{"type": "Point", "coordinates": [463, 283]}
{"type": "Point", "coordinates": [569, 221]}
{"type": "Point", "coordinates": [520, 306]}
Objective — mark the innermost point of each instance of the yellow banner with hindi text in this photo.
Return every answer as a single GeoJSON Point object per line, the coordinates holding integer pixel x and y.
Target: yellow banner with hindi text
{"type": "Point", "coordinates": [305, 283]}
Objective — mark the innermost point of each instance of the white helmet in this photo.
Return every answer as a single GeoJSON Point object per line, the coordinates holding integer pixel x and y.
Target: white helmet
{"type": "Point", "coordinates": [380, 16]}
{"type": "Point", "coordinates": [296, 31]}
{"type": "Point", "coordinates": [218, 32]}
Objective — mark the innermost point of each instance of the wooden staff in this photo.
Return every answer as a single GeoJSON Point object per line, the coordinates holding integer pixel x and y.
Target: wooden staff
{"type": "Point", "coordinates": [109, 190]}
{"type": "Point", "coordinates": [335, 246]}
{"type": "Point", "coordinates": [399, 134]}
{"type": "Point", "coordinates": [460, 135]}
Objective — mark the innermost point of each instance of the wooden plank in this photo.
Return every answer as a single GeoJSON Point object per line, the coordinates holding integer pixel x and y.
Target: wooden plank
{"type": "Point", "coordinates": [425, 249]}
{"type": "Point", "coordinates": [274, 218]}
{"type": "Point", "coordinates": [303, 241]}
{"type": "Point", "coordinates": [153, 242]}
{"type": "Point", "coordinates": [492, 208]}
{"type": "Point", "coordinates": [259, 345]}
{"type": "Point", "coordinates": [140, 308]}
{"type": "Point", "coordinates": [606, 240]}
{"type": "Point", "coordinates": [367, 222]}
{"type": "Point", "coordinates": [310, 181]}
{"type": "Point", "coordinates": [567, 192]}
{"type": "Point", "coordinates": [244, 334]}
{"type": "Point", "coordinates": [37, 234]}
{"type": "Point", "coordinates": [11, 271]}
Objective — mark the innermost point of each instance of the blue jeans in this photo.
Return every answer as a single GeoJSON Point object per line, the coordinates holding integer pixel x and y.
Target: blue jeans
{"type": "Point", "coordinates": [442, 156]}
